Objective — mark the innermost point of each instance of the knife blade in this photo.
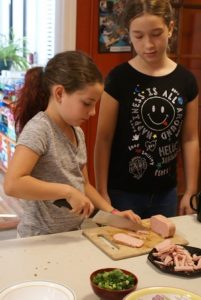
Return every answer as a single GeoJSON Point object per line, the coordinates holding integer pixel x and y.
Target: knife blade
{"type": "Point", "coordinates": [106, 218]}
{"type": "Point", "coordinates": [8, 216]}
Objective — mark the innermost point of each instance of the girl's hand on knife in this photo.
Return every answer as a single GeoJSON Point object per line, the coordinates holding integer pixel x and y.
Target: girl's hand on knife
{"type": "Point", "coordinates": [128, 214]}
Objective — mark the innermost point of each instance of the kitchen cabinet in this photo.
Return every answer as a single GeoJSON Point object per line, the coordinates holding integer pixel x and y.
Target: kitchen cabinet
{"type": "Point", "coordinates": [187, 51]}
{"type": "Point", "coordinates": [191, 2]}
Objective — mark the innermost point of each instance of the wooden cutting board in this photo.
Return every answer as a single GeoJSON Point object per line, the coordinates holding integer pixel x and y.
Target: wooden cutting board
{"type": "Point", "coordinates": [102, 238]}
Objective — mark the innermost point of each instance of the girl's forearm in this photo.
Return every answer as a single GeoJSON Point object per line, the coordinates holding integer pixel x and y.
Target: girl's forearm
{"type": "Point", "coordinates": [97, 200]}
{"type": "Point", "coordinates": [101, 164]}
{"type": "Point", "coordinates": [190, 153]}
{"type": "Point", "coordinates": [30, 188]}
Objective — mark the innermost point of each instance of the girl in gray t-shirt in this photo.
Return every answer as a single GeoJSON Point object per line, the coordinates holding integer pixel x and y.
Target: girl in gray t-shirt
{"type": "Point", "coordinates": [49, 163]}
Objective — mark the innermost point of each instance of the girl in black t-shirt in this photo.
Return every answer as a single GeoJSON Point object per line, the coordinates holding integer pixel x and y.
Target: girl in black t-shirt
{"type": "Point", "coordinates": [148, 111]}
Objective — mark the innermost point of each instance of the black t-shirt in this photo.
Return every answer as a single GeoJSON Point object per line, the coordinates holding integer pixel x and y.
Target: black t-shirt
{"type": "Point", "coordinates": [147, 135]}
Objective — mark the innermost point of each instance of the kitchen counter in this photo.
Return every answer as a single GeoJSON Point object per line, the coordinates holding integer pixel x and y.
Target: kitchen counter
{"type": "Point", "coordinates": [69, 259]}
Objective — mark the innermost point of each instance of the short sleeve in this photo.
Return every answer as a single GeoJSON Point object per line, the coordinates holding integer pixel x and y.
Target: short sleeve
{"type": "Point", "coordinates": [192, 87]}
{"type": "Point", "coordinates": [113, 83]}
{"type": "Point", "coordinates": [34, 136]}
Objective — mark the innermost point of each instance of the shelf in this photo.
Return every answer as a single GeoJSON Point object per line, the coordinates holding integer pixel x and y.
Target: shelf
{"type": "Point", "coordinates": [7, 147]}
{"type": "Point", "coordinates": [8, 138]}
{"type": "Point", "coordinates": [8, 102]}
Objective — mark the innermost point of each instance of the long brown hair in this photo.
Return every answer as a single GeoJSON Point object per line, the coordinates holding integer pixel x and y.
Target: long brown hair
{"type": "Point", "coordinates": [72, 69]}
{"type": "Point", "coordinates": [136, 8]}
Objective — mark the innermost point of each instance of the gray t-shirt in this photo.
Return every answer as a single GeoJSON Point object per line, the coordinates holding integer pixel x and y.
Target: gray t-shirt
{"type": "Point", "coordinates": [60, 162]}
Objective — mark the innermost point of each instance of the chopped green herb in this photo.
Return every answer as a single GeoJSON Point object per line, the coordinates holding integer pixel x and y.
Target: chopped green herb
{"type": "Point", "coordinates": [114, 280]}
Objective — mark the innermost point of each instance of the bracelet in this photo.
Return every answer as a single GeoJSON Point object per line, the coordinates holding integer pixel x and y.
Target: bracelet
{"type": "Point", "coordinates": [114, 211]}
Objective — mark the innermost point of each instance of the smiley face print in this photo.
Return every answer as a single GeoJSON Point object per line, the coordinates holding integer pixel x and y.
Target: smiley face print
{"type": "Point", "coordinates": [157, 113]}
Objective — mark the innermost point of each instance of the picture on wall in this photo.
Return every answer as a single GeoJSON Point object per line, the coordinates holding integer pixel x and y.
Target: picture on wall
{"type": "Point", "coordinates": [113, 36]}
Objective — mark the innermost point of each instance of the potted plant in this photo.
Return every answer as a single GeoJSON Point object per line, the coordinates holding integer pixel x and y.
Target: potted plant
{"type": "Point", "coordinates": [12, 53]}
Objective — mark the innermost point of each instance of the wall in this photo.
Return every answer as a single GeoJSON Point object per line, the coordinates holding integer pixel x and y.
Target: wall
{"type": "Point", "coordinates": [65, 21]}
{"type": "Point", "coordinates": [87, 40]}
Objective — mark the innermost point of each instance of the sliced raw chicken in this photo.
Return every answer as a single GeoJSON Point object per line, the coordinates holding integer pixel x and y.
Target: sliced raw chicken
{"type": "Point", "coordinates": [128, 240]}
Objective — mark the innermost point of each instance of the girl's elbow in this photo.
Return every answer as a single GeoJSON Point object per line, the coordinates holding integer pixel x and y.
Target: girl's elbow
{"type": "Point", "coordinates": [8, 188]}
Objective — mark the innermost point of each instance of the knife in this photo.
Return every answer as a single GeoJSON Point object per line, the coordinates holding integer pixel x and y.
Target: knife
{"type": "Point", "coordinates": [62, 203]}
{"type": "Point", "coordinates": [106, 218]}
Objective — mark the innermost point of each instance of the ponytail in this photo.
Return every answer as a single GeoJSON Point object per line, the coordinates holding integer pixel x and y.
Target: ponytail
{"type": "Point", "coordinates": [31, 98]}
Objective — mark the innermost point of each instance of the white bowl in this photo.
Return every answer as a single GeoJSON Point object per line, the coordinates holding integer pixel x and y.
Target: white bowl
{"type": "Point", "coordinates": [32, 290]}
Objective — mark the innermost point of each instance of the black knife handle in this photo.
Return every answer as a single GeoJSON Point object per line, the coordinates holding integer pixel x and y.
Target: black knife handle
{"type": "Point", "coordinates": [62, 203]}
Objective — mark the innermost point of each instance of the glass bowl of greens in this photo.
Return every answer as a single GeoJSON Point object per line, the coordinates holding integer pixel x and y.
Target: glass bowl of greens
{"type": "Point", "coordinates": [113, 283]}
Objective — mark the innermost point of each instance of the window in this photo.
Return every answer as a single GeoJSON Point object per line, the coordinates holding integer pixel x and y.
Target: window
{"type": "Point", "coordinates": [49, 25]}
{"type": "Point", "coordinates": [40, 29]}
{"type": "Point", "coordinates": [4, 17]}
